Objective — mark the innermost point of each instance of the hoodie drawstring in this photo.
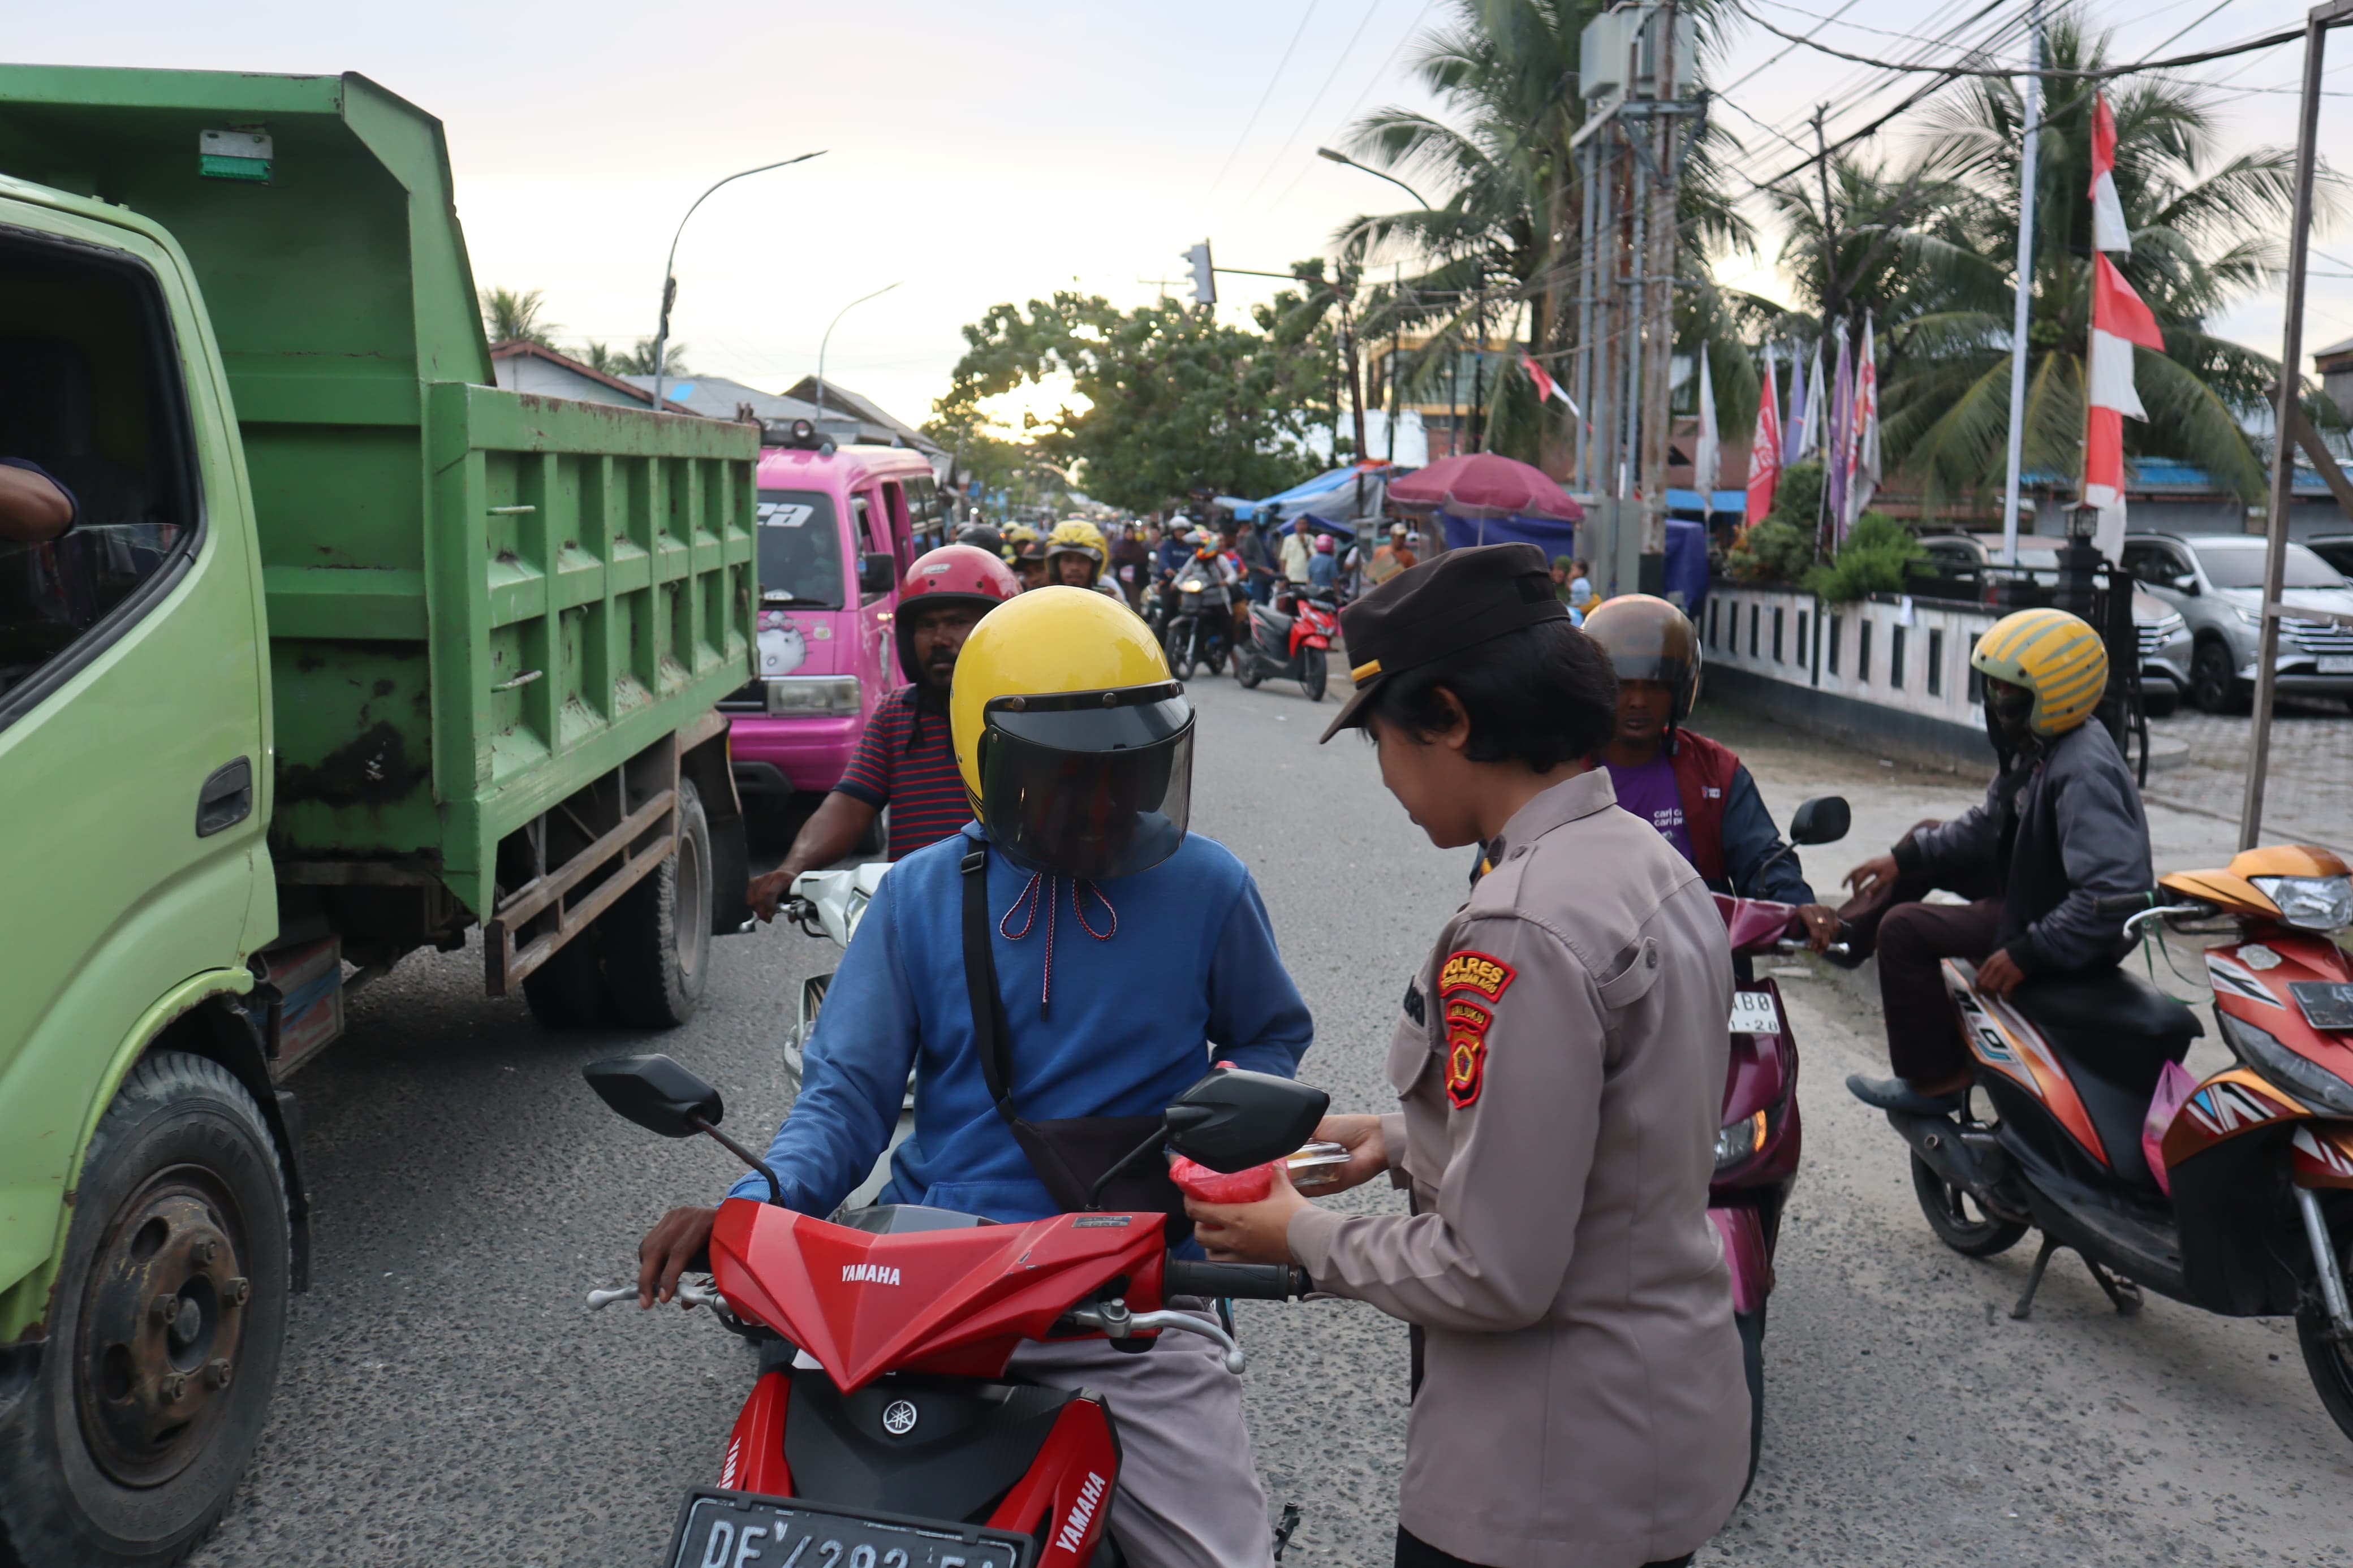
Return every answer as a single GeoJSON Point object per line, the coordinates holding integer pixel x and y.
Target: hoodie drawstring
{"type": "Point", "coordinates": [1039, 890]}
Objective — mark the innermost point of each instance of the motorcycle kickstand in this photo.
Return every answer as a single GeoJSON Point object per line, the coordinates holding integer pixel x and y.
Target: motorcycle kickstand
{"type": "Point", "coordinates": [2034, 1279]}
{"type": "Point", "coordinates": [1283, 1527]}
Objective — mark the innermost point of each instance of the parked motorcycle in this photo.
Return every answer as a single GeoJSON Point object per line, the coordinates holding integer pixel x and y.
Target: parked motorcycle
{"type": "Point", "coordinates": [883, 1431]}
{"type": "Point", "coordinates": [1761, 1137]}
{"type": "Point", "coordinates": [1289, 640]}
{"type": "Point", "coordinates": [1200, 625]}
{"type": "Point", "coordinates": [2247, 1208]}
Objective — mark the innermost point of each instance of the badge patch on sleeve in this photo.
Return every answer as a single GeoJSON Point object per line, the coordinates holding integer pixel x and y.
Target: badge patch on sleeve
{"type": "Point", "coordinates": [1472, 971]}
{"type": "Point", "coordinates": [1466, 1051]}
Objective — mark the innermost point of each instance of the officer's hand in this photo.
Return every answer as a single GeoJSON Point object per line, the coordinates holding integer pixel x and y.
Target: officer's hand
{"type": "Point", "coordinates": [1248, 1233]}
{"type": "Point", "coordinates": [680, 1241]}
{"type": "Point", "coordinates": [1872, 873]}
{"type": "Point", "coordinates": [1367, 1151]}
{"type": "Point", "coordinates": [765, 893]}
{"type": "Point", "coordinates": [1821, 925]}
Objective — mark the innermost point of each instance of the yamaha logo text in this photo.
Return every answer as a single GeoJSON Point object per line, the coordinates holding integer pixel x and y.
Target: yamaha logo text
{"type": "Point", "coordinates": [868, 1274]}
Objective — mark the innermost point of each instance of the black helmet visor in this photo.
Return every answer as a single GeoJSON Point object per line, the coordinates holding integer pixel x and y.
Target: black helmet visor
{"type": "Point", "coordinates": [1090, 783]}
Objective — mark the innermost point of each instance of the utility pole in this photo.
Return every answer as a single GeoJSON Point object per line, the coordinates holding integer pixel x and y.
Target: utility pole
{"type": "Point", "coordinates": [1348, 348]}
{"type": "Point", "coordinates": [2022, 308]}
{"type": "Point", "coordinates": [1832, 304]}
{"type": "Point", "coordinates": [1656, 294]}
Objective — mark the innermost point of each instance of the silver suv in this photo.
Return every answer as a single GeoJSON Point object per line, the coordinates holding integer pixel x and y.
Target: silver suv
{"type": "Point", "coordinates": [2163, 635]}
{"type": "Point", "coordinates": [2216, 580]}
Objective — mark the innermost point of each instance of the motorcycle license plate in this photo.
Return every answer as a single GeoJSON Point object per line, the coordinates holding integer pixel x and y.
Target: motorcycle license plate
{"type": "Point", "coordinates": [1756, 1012]}
{"type": "Point", "coordinates": [2326, 1003]}
{"type": "Point", "coordinates": [722, 1529]}
{"type": "Point", "coordinates": [2336, 663]}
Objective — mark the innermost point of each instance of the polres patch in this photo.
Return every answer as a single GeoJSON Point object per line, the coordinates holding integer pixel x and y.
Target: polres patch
{"type": "Point", "coordinates": [1466, 1051]}
{"type": "Point", "coordinates": [1467, 970]}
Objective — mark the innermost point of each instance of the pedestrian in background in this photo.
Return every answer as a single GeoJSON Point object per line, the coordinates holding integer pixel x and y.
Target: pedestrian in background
{"type": "Point", "coordinates": [1581, 585]}
{"type": "Point", "coordinates": [1131, 561]}
{"type": "Point", "coordinates": [1297, 546]}
{"type": "Point", "coordinates": [1563, 568]}
{"type": "Point", "coordinates": [1559, 1063]}
{"type": "Point", "coordinates": [1258, 568]}
{"type": "Point", "coordinates": [1392, 558]}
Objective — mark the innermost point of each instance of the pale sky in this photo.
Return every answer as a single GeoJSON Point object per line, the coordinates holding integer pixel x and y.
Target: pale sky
{"type": "Point", "coordinates": [981, 152]}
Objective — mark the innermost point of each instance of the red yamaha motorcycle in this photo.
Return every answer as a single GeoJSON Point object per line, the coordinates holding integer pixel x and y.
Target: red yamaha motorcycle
{"type": "Point", "coordinates": [883, 1431]}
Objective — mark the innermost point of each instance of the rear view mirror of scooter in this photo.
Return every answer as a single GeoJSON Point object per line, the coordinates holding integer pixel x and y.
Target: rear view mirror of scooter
{"type": "Point", "coordinates": [661, 1096]}
{"type": "Point", "coordinates": [1821, 820]}
{"type": "Point", "coordinates": [1234, 1119]}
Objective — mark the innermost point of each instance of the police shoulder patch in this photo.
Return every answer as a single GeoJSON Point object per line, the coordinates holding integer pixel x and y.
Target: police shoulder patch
{"type": "Point", "coordinates": [1466, 1051]}
{"type": "Point", "coordinates": [1466, 968]}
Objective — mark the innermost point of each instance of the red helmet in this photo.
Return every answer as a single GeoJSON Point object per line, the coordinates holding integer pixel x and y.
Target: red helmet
{"type": "Point", "coordinates": [952, 575]}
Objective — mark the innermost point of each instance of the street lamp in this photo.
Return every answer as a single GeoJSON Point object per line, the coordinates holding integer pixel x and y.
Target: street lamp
{"type": "Point", "coordinates": [827, 339]}
{"type": "Point", "coordinates": [1376, 174]}
{"type": "Point", "coordinates": [670, 281]}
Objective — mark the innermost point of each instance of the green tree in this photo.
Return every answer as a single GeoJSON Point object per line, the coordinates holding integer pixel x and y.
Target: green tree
{"type": "Point", "coordinates": [2206, 230]}
{"type": "Point", "coordinates": [1175, 400]}
{"type": "Point", "coordinates": [600, 357]}
{"type": "Point", "coordinates": [640, 360]}
{"type": "Point", "coordinates": [517, 316]}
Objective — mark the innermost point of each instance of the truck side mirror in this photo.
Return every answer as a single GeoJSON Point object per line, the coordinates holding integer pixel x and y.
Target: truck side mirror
{"type": "Point", "coordinates": [1821, 820]}
{"type": "Point", "coordinates": [656, 1093]}
{"type": "Point", "coordinates": [877, 570]}
{"type": "Point", "coordinates": [1234, 1119]}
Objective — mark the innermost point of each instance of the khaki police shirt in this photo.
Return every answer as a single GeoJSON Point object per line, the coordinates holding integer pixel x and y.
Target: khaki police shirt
{"type": "Point", "coordinates": [1561, 1063]}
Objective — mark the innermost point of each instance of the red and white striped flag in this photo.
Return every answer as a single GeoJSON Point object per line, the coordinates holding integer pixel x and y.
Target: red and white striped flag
{"type": "Point", "coordinates": [2119, 321]}
{"type": "Point", "coordinates": [1546, 387]}
{"type": "Point", "coordinates": [2108, 228]}
{"type": "Point", "coordinates": [1764, 452]}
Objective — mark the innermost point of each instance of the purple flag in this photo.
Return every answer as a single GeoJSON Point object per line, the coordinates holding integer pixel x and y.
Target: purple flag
{"type": "Point", "coordinates": [1793, 430]}
{"type": "Point", "coordinates": [1834, 439]}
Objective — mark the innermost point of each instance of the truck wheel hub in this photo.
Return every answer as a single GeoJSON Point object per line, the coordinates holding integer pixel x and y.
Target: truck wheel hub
{"type": "Point", "coordinates": [160, 1329]}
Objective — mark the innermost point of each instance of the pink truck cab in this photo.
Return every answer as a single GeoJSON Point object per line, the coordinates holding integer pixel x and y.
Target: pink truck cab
{"type": "Point", "coordinates": [837, 529]}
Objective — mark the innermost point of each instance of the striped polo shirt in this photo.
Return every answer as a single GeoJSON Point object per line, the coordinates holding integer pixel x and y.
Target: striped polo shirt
{"type": "Point", "coordinates": [904, 760]}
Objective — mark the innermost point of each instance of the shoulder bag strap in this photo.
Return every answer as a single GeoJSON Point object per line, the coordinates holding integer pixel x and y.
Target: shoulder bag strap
{"type": "Point", "coordinates": [990, 1031]}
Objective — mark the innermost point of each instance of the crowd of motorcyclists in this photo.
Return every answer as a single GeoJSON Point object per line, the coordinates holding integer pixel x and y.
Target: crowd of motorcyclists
{"type": "Point", "coordinates": [1579, 1396]}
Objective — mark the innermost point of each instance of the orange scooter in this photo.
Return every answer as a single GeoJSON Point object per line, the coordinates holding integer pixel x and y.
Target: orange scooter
{"type": "Point", "coordinates": [2258, 1220]}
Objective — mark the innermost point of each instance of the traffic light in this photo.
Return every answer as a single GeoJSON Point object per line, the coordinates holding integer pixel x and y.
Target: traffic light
{"type": "Point", "coordinates": [1205, 276]}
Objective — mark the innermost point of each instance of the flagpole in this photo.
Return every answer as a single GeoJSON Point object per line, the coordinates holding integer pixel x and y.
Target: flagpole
{"type": "Point", "coordinates": [2020, 310]}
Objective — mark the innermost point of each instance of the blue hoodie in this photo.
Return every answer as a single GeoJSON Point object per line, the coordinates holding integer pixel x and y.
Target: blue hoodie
{"type": "Point", "coordinates": [1185, 973]}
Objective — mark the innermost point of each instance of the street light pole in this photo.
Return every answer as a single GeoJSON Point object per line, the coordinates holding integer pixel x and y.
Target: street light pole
{"type": "Point", "coordinates": [1376, 174]}
{"type": "Point", "coordinates": [670, 265]}
{"type": "Point", "coordinates": [827, 339]}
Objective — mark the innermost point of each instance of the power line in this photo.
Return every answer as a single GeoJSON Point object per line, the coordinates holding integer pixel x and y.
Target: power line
{"type": "Point", "coordinates": [1329, 78]}
{"type": "Point", "coordinates": [1251, 123]}
{"type": "Point", "coordinates": [2270, 40]}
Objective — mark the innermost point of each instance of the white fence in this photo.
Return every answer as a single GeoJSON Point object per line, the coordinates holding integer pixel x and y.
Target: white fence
{"type": "Point", "coordinates": [1889, 672]}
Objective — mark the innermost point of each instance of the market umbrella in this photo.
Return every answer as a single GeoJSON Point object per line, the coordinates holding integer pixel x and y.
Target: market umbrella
{"type": "Point", "coordinates": [1489, 485]}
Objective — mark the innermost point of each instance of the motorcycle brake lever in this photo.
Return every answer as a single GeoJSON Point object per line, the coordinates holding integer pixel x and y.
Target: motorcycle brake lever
{"type": "Point", "coordinates": [1117, 1322]}
{"type": "Point", "coordinates": [689, 1292]}
{"type": "Point", "coordinates": [599, 1299]}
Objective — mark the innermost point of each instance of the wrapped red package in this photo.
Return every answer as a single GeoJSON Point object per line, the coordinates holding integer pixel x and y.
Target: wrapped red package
{"type": "Point", "coordinates": [1198, 1181]}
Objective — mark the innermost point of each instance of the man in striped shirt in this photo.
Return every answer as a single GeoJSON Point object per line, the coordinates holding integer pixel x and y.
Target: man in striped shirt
{"type": "Point", "coordinates": [904, 759]}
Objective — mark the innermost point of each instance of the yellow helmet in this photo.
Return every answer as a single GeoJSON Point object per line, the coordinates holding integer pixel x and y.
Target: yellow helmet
{"type": "Point", "coordinates": [1075, 744]}
{"type": "Point", "coordinates": [2055, 655]}
{"type": "Point", "coordinates": [1080, 536]}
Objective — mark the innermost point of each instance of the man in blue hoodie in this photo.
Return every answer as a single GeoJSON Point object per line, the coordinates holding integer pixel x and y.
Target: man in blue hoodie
{"type": "Point", "coordinates": [1129, 955]}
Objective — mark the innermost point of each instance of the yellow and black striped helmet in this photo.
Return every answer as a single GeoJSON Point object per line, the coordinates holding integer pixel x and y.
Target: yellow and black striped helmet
{"type": "Point", "coordinates": [2056, 656]}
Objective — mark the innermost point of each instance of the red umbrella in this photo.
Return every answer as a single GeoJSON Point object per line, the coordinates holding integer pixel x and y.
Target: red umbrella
{"type": "Point", "coordinates": [1488, 484]}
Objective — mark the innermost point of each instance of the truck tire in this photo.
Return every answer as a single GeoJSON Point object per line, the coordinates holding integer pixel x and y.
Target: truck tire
{"type": "Point", "coordinates": [165, 1334]}
{"type": "Point", "coordinates": [657, 938]}
{"type": "Point", "coordinates": [568, 991]}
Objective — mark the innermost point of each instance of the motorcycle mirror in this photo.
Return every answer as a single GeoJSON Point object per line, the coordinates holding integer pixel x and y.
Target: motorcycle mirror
{"type": "Point", "coordinates": [663, 1096]}
{"type": "Point", "coordinates": [656, 1093]}
{"type": "Point", "coordinates": [1234, 1119]}
{"type": "Point", "coordinates": [1821, 820]}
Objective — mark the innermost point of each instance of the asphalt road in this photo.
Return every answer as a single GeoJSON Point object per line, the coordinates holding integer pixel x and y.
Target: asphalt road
{"type": "Point", "coordinates": [447, 1401]}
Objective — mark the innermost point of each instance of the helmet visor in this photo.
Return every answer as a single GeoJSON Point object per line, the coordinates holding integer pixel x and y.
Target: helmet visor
{"type": "Point", "coordinates": [1090, 783]}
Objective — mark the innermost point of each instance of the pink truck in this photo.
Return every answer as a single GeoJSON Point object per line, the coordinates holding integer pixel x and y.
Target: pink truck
{"type": "Point", "coordinates": [837, 530]}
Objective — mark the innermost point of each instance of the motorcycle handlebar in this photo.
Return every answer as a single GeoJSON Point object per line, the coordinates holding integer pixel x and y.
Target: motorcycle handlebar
{"type": "Point", "coordinates": [1248, 1282]}
{"type": "Point", "coordinates": [2124, 903]}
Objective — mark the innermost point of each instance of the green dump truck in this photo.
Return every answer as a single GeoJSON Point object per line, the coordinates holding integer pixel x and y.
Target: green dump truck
{"type": "Point", "coordinates": [348, 652]}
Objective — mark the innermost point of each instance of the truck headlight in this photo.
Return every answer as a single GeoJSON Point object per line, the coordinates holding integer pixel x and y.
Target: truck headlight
{"type": "Point", "coordinates": [812, 695]}
{"type": "Point", "coordinates": [2310, 903]}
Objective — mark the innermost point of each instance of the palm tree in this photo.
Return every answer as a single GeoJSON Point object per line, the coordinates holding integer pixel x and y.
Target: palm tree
{"type": "Point", "coordinates": [600, 357]}
{"type": "Point", "coordinates": [2205, 231]}
{"type": "Point", "coordinates": [640, 360]}
{"type": "Point", "coordinates": [1505, 236]}
{"type": "Point", "coordinates": [517, 316]}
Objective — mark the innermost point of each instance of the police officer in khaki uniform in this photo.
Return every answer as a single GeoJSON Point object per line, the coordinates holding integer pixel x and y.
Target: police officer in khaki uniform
{"type": "Point", "coordinates": [1559, 1061]}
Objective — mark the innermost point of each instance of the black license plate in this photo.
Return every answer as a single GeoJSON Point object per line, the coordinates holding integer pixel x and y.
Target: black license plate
{"type": "Point", "coordinates": [738, 1530]}
{"type": "Point", "coordinates": [2326, 1003]}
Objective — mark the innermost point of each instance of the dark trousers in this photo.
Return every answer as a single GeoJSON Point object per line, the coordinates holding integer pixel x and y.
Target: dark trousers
{"type": "Point", "coordinates": [1412, 1551]}
{"type": "Point", "coordinates": [1924, 1040]}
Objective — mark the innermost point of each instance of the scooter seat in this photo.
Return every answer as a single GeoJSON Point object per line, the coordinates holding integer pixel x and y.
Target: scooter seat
{"type": "Point", "coordinates": [1274, 622]}
{"type": "Point", "coordinates": [2114, 1033]}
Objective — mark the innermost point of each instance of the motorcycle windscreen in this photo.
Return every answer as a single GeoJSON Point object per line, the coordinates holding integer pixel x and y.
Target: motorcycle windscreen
{"type": "Point", "coordinates": [1075, 787]}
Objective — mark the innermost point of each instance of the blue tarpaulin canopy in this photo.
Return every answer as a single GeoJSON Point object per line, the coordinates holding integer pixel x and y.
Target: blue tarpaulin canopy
{"type": "Point", "coordinates": [1686, 564]}
{"type": "Point", "coordinates": [1691, 502]}
{"type": "Point", "coordinates": [1317, 495]}
{"type": "Point", "coordinates": [1547, 534]}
